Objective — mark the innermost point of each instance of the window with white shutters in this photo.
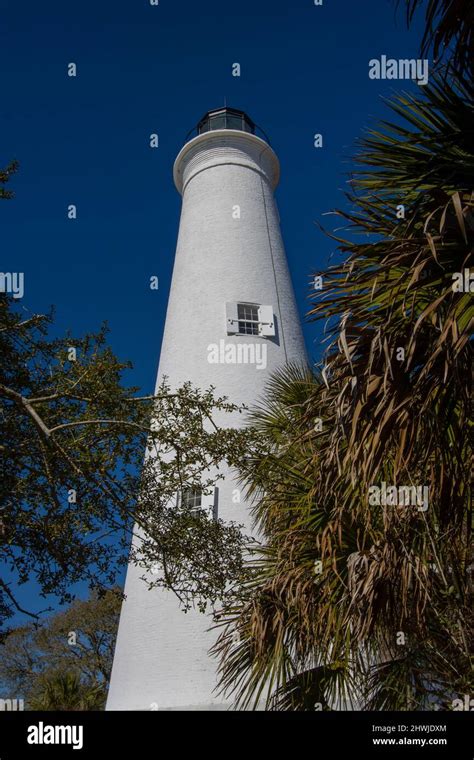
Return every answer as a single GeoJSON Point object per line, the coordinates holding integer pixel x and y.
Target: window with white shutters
{"type": "Point", "coordinates": [250, 319]}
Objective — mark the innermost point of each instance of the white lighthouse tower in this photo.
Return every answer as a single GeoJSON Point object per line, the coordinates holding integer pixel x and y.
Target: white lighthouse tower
{"type": "Point", "coordinates": [231, 321]}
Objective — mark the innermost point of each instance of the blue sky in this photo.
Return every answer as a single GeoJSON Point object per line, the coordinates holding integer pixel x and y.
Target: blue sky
{"type": "Point", "coordinates": [144, 69]}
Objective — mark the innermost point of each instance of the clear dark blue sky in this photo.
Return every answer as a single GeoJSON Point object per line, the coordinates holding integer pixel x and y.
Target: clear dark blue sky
{"type": "Point", "coordinates": [144, 69]}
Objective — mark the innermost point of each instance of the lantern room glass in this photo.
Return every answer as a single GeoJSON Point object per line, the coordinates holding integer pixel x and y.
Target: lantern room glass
{"type": "Point", "coordinates": [226, 118]}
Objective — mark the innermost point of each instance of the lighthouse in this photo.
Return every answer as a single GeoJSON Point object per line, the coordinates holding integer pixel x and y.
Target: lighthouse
{"type": "Point", "coordinates": [231, 321]}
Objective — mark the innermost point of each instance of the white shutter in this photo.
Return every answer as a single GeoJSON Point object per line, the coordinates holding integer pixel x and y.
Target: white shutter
{"type": "Point", "coordinates": [231, 318]}
{"type": "Point", "coordinates": [267, 320]}
{"type": "Point", "coordinates": [209, 503]}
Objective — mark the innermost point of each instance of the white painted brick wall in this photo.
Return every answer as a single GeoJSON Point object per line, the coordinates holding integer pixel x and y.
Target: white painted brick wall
{"type": "Point", "coordinates": [161, 653]}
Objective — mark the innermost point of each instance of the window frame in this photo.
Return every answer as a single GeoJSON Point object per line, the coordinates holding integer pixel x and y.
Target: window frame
{"type": "Point", "coordinates": [264, 322]}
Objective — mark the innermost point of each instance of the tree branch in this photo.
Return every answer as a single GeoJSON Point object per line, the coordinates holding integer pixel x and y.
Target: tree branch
{"type": "Point", "coordinates": [22, 401]}
{"type": "Point", "coordinates": [14, 601]}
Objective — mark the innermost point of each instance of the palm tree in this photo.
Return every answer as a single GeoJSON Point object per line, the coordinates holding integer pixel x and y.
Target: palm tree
{"type": "Point", "coordinates": [352, 603]}
{"type": "Point", "coordinates": [448, 23]}
{"type": "Point", "coordinates": [65, 691]}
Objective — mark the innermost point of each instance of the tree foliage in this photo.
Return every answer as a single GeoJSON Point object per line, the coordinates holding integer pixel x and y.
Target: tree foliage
{"type": "Point", "coordinates": [449, 26]}
{"type": "Point", "coordinates": [66, 659]}
{"type": "Point", "coordinates": [65, 692]}
{"type": "Point", "coordinates": [5, 175]}
{"type": "Point", "coordinates": [75, 489]}
{"type": "Point", "coordinates": [356, 604]}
